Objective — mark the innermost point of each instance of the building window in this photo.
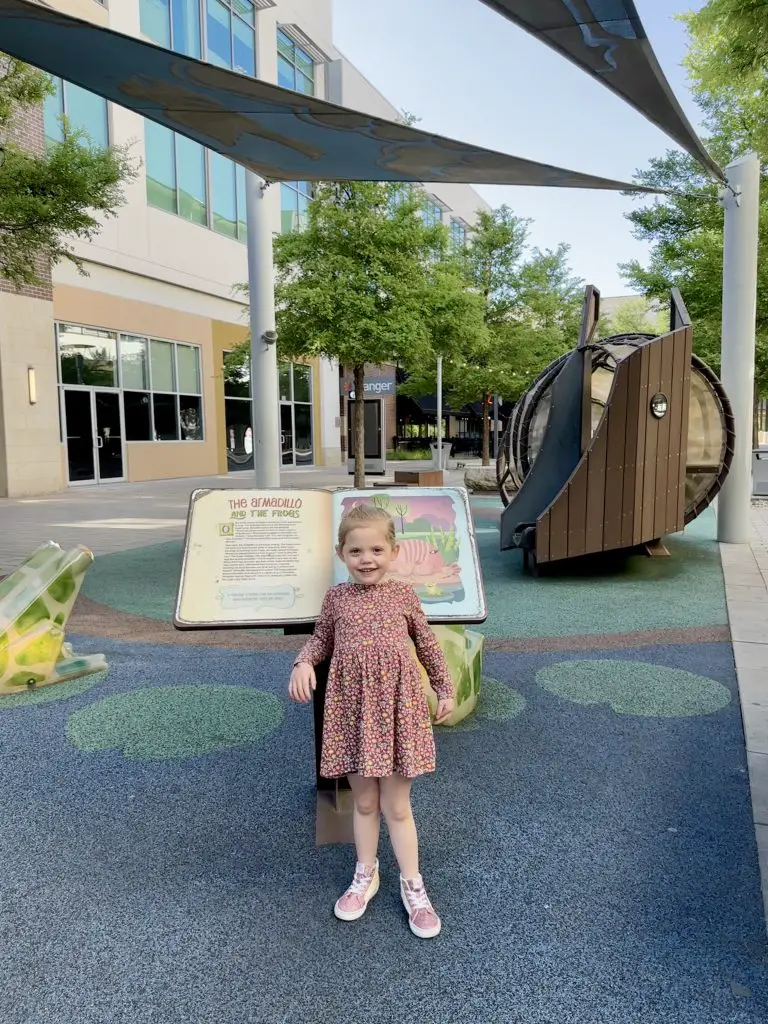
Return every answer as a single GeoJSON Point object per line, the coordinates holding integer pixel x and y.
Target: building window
{"type": "Point", "coordinates": [159, 382]}
{"type": "Point", "coordinates": [83, 110]}
{"type": "Point", "coordinates": [432, 212]}
{"type": "Point", "coordinates": [295, 385]}
{"type": "Point", "coordinates": [174, 24]}
{"type": "Point", "coordinates": [458, 233]}
{"type": "Point", "coordinates": [176, 180]}
{"type": "Point", "coordinates": [194, 183]}
{"type": "Point", "coordinates": [231, 34]}
{"type": "Point", "coordinates": [295, 197]}
{"type": "Point", "coordinates": [295, 67]}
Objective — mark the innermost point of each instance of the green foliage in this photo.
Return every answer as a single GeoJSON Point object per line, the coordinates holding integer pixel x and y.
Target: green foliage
{"type": "Point", "coordinates": [728, 64]}
{"type": "Point", "coordinates": [531, 310]}
{"type": "Point", "coordinates": [351, 286]}
{"type": "Point", "coordinates": [636, 316]}
{"type": "Point", "coordinates": [47, 200]}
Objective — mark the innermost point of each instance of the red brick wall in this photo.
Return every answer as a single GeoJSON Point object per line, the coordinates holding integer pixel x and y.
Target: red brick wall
{"type": "Point", "coordinates": [27, 132]}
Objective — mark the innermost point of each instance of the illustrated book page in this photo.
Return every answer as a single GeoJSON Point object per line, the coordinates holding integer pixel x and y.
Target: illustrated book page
{"type": "Point", "coordinates": [265, 558]}
{"type": "Point", "coordinates": [255, 558]}
{"type": "Point", "coordinates": [437, 548]}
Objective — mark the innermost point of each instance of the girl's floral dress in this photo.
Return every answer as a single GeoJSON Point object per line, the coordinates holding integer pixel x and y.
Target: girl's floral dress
{"type": "Point", "coordinates": [377, 719]}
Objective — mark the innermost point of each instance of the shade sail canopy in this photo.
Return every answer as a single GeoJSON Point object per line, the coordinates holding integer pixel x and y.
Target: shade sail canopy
{"type": "Point", "coordinates": [280, 134]}
{"type": "Point", "coordinates": [606, 39]}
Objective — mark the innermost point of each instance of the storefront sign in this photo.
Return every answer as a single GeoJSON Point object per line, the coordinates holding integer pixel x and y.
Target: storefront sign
{"type": "Point", "coordinates": [379, 382]}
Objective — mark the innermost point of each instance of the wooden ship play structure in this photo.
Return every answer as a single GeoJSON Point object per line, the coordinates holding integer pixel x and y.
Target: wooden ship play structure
{"type": "Point", "coordinates": [614, 446]}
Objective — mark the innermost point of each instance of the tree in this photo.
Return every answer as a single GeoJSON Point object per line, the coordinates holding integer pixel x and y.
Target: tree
{"type": "Point", "coordinates": [351, 286]}
{"type": "Point", "coordinates": [530, 307]}
{"type": "Point", "coordinates": [635, 316]}
{"type": "Point", "coordinates": [728, 62]}
{"type": "Point", "coordinates": [47, 200]}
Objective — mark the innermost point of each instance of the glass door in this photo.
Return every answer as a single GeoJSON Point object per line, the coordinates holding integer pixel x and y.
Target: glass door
{"type": "Point", "coordinates": [286, 432]}
{"type": "Point", "coordinates": [109, 435]}
{"type": "Point", "coordinates": [78, 420]}
{"type": "Point", "coordinates": [94, 433]}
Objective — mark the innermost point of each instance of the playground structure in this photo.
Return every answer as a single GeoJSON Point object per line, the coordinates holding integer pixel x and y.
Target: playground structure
{"type": "Point", "coordinates": [615, 445]}
{"type": "Point", "coordinates": [35, 604]}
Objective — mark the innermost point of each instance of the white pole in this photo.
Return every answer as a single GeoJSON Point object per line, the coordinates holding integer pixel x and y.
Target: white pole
{"type": "Point", "coordinates": [742, 209]}
{"type": "Point", "coordinates": [264, 384]}
{"type": "Point", "coordinates": [439, 412]}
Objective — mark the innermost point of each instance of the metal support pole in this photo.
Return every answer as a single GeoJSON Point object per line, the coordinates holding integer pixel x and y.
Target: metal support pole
{"type": "Point", "coordinates": [495, 427]}
{"type": "Point", "coordinates": [439, 412]}
{"type": "Point", "coordinates": [264, 385]}
{"type": "Point", "coordinates": [742, 208]}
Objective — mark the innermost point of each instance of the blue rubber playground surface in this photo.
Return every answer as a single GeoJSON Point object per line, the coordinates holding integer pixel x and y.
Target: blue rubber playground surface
{"type": "Point", "coordinates": [587, 838]}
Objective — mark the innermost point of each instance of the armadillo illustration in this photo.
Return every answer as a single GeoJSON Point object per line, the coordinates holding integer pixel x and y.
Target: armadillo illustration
{"type": "Point", "coordinates": [419, 558]}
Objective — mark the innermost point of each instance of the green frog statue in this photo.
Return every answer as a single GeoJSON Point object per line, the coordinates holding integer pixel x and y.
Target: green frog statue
{"type": "Point", "coordinates": [35, 604]}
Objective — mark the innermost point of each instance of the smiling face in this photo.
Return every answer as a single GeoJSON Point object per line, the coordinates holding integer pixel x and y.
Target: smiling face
{"type": "Point", "coordinates": [368, 554]}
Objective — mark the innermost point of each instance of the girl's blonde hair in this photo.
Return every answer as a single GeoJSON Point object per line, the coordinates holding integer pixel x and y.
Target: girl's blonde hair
{"type": "Point", "coordinates": [367, 515]}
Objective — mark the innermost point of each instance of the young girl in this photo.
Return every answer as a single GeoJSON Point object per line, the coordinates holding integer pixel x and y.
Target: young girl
{"type": "Point", "coordinates": [377, 728]}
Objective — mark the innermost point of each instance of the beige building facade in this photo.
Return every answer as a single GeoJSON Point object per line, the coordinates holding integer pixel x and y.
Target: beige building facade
{"type": "Point", "coordinates": [120, 374]}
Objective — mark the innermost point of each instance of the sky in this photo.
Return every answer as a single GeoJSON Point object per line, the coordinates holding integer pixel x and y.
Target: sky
{"type": "Point", "coordinates": [471, 75]}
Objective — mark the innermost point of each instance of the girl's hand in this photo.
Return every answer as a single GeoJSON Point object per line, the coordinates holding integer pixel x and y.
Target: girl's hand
{"type": "Point", "coordinates": [302, 683]}
{"type": "Point", "coordinates": [445, 706]}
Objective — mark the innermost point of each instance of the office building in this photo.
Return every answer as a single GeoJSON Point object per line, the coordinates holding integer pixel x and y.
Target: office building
{"type": "Point", "coordinates": [118, 375]}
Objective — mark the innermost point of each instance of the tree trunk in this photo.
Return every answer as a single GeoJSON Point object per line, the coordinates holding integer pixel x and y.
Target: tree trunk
{"type": "Point", "coordinates": [359, 426]}
{"type": "Point", "coordinates": [755, 416]}
{"type": "Point", "coordinates": [486, 433]}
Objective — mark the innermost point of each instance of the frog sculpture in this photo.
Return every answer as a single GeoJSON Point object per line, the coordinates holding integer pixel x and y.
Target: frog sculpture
{"type": "Point", "coordinates": [35, 604]}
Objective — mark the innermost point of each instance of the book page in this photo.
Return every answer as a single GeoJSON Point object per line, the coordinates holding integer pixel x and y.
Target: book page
{"type": "Point", "coordinates": [254, 558]}
{"type": "Point", "coordinates": [437, 547]}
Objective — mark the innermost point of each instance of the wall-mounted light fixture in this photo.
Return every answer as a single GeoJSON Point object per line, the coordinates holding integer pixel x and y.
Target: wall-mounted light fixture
{"type": "Point", "coordinates": [31, 385]}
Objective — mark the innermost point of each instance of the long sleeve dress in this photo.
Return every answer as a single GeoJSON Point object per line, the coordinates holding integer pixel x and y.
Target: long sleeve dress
{"type": "Point", "coordinates": [377, 720]}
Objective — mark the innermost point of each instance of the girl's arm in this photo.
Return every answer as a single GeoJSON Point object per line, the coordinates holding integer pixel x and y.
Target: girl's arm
{"type": "Point", "coordinates": [320, 645]}
{"type": "Point", "coordinates": [428, 648]}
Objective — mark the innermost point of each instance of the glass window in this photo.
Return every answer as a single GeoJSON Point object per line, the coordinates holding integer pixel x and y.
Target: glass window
{"type": "Point", "coordinates": [84, 110]}
{"type": "Point", "coordinates": [285, 76]}
{"type": "Point", "coordinates": [242, 227]}
{"type": "Point", "coordinates": [223, 195]}
{"type": "Point", "coordinates": [219, 34]}
{"type": "Point", "coordinates": [186, 27]}
{"type": "Point", "coordinates": [190, 172]}
{"type": "Point", "coordinates": [295, 67]}
{"type": "Point", "coordinates": [138, 420]}
{"type": "Point", "coordinates": [432, 213]}
{"type": "Point", "coordinates": [237, 377]}
{"type": "Point", "coordinates": [156, 21]}
{"type": "Point", "coordinates": [87, 112]}
{"type": "Point", "coordinates": [160, 160]}
{"type": "Point", "coordinates": [134, 363]}
{"type": "Point", "coordinates": [52, 111]}
{"type": "Point", "coordinates": [163, 378]}
{"type": "Point", "coordinates": [458, 233]}
{"type": "Point", "coordinates": [191, 417]}
{"type": "Point", "coordinates": [286, 395]}
{"type": "Point", "coordinates": [295, 197]}
{"type": "Point", "coordinates": [302, 382]}
{"type": "Point", "coordinates": [245, 9]}
{"type": "Point", "coordinates": [165, 417]}
{"type": "Point", "coordinates": [244, 48]}
{"type": "Point", "coordinates": [188, 366]}
{"type": "Point", "coordinates": [87, 356]}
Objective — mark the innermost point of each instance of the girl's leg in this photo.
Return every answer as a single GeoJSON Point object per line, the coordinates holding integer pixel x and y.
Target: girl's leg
{"type": "Point", "coordinates": [395, 799]}
{"type": "Point", "coordinates": [395, 796]}
{"type": "Point", "coordinates": [366, 817]}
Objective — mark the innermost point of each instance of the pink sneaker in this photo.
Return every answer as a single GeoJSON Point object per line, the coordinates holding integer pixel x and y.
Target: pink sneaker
{"type": "Point", "coordinates": [422, 919]}
{"type": "Point", "coordinates": [354, 903]}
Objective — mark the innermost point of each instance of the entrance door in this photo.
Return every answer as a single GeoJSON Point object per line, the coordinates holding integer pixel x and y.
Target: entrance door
{"type": "Point", "coordinates": [286, 432]}
{"type": "Point", "coordinates": [109, 435]}
{"type": "Point", "coordinates": [94, 435]}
